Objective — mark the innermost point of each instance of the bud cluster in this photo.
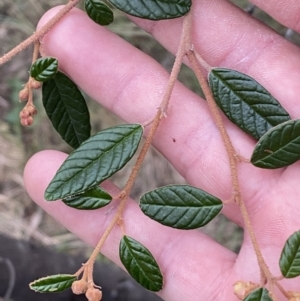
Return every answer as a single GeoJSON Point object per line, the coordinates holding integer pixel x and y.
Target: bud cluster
{"type": "Point", "coordinates": [295, 296]}
{"type": "Point", "coordinates": [26, 115]}
{"type": "Point", "coordinates": [243, 289]}
{"type": "Point", "coordinates": [82, 287]}
{"type": "Point", "coordinates": [93, 294]}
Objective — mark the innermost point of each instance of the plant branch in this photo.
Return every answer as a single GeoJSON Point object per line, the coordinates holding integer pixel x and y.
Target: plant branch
{"type": "Point", "coordinates": [233, 163]}
{"type": "Point", "coordinates": [282, 290]}
{"type": "Point", "coordinates": [90, 263]}
{"type": "Point", "coordinates": [123, 195]}
{"type": "Point", "coordinates": [36, 50]}
{"type": "Point", "coordinates": [182, 50]}
{"type": "Point", "coordinates": [218, 120]}
{"type": "Point", "coordinates": [40, 33]}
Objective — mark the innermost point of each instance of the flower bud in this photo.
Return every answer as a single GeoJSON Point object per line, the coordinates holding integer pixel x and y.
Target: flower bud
{"type": "Point", "coordinates": [79, 287]}
{"type": "Point", "coordinates": [93, 294]}
{"type": "Point", "coordinates": [29, 120]}
{"type": "Point", "coordinates": [24, 94]}
{"type": "Point", "coordinates": [24, 113]}
{"type": "Point", "coordinates": [31, 110]}
{"type": "Point", "coordinates": [242, 289]}
{"type": "Point", "coordinates": [24, 121]}
{"type": "Point", "coordinates": [34, 84]}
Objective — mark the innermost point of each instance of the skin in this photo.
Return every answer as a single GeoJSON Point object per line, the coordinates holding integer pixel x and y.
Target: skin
{"type": "Point", "coordinates": [131, 85]}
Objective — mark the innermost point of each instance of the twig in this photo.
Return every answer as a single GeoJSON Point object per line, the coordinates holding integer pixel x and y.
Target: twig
{"type": "Point", "coordinates": [40, 33]}
{"type": "Point", "coordinates": [233, 164]}
{"type": "Point", "coordinates": [123, 195]}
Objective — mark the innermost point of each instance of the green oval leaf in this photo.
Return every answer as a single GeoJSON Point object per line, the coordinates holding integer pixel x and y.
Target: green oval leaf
{"type": "Point", "coordinates": [290, 257]}
{"type": "Point", "coordinates": [53, 284]}
{"type": "Point", "coordinates": [90, 199]}
{"type": "Point", "coordinates": [260, 294]}
{"type": "Point", "coordinates": [44, 68]}
{"type": "Point", "coordinates": [154, 9]}
{"type": "Point", "coordinates": [140, 264]}
{"type": "Point", "coordinates": [99, 12]}
{"type": "Point", "coordinates": [246, 102]}
{"type": "Point", "coordinates": [95, 160]}
{"type": "Point", "coordinates": [67, 110]}
{"type": "Point", "coordinates": [180, 206]}
{"type": "Point", "coordinates": [279, 147]}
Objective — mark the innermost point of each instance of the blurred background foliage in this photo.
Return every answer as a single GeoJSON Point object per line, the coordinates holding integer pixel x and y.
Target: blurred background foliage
{"type": "Point", "coordinates": [19, 216]}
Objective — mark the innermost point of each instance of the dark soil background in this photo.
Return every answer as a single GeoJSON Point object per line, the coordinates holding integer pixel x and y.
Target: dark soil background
{"type": "Point", "coordinates": [32, 244]}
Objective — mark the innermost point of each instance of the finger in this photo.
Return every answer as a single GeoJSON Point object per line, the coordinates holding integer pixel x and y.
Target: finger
{"type": "Point", "coordinates": [228, 37]}
{"type": "Point", "coordinates": [182, 255]}
{"type": "Point", "coordinates": [285, 12]}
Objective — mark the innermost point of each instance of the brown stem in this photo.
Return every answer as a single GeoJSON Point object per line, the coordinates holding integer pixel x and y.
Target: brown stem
{"type": "Point", "coordinates": [184, 44]}
{"type": "Point", "coordinates": [123, 195]}
{"type": "Point", "coordinates": [233, 162]}
{"type": "Point", "coordinates": [282, 290]}
{"type": "Point", "coordinates": [261, 262]}
{"type": "Point", "coordinates": [77, 274]}
{"type": "Point", "coordinates": [142, 154]}
{"type": "Point", "coordinates": [36, 50]}
{"type": "Point", "coordinates": [40, 33]}
{"type": "Point", "coordinates": [218, 120]}
{"type": "Point", "coordinates": [202, 62]}
{"type": "Point", "coordinates": [90, 263]}
{"type": "Point", "coordinates": [28, 84]}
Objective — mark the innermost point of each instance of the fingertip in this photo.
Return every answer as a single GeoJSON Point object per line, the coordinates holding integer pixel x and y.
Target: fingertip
{"type": "Point", "coordinates": [39, 170]}
{"type": "Point", "coordinates": [58, 40]}
{"type": "Point", "coordinates": [48, 15]}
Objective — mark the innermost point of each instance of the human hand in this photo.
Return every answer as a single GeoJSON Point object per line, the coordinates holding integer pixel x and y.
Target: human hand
{"type": "Point", "coordinates": [131, 85]}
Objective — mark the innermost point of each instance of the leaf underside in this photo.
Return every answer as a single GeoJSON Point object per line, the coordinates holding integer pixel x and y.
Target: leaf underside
{"type": "Point", "coordinates": [53, 284]}
{"type": "Point", "coordinates": [67, 109]}
{"type": "Point", "coordinates": [44, 68]}
{"type": "Point", "coordinates": [95, 160]}
{"type": "Point", "coordinates": [290, 257]}
{"type": "Point", "coordinates": [246, 102]}
{"type": "Point", "coordinates": [89, 200]}
{"type": "Point", "coordinates": [140, 264]}
{"type": "Point", "coordinates": [279, 147]}
{"type": "Point", "coordinates": [180, 206]}
{"type": "Point", "coordinates": [260, 294]}
{"type": "Point", "coordinates": [99, 12]}
{"type": "Point", "coordinates": [154, 9]}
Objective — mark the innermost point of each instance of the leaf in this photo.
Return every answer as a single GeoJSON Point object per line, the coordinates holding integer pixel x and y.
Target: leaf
{"type": "Point", "coordinates": [154, 9]}
{"type": "Point", "coordinates": [290, 257]}
{"type": "Point", "coordinates": [180, 206]}
{"type": "Point", "coordinates": [53, 284]}
{"type": "Point", "coordinates": [245, 102]}
{"type": "Point", "coordinates": [140, 264]}
{"type": "Point", "coordinates": [260, 294]}
{"type": "Point", "coordinates": [44, 68]}
{"type": "Point", "coordinates": [99, 12]}
{"type": "Point", "coordinates": [279, 147]}
{"type": "Point", "coordinates": [95, 160]}
{"type": "Point", "coordinates": [89, 200]}
{"type": "Point", "coordinates": [67, 110]}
